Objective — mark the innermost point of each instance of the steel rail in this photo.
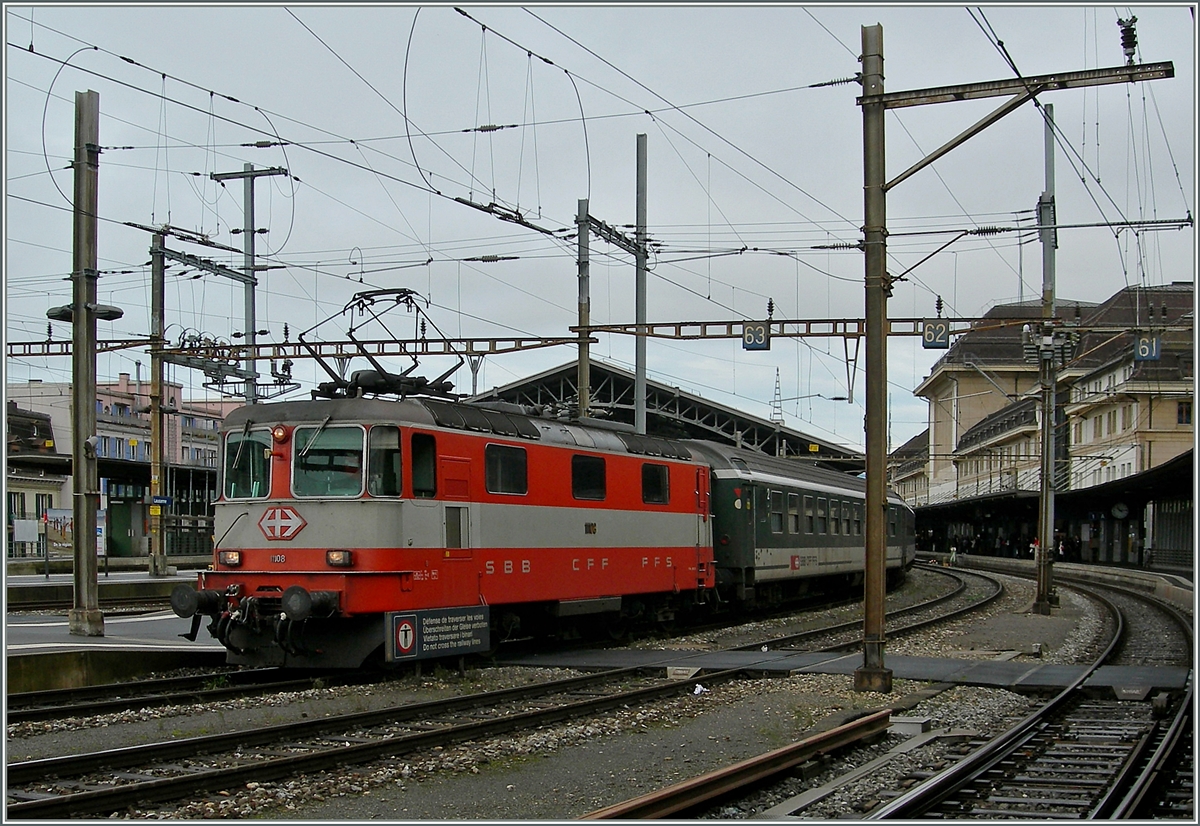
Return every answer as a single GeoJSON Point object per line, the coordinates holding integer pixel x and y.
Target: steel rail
{"type": "Point", "coordinates": [941, 786]}
{"type": "Point", "coordinates": [706, 787]}
{"type": "Point", "coordinates": [208, 780]}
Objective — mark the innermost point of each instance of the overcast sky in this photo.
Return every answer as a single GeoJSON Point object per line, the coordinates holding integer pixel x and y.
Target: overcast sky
{"type": "Point", "coordinates": [754, 159]}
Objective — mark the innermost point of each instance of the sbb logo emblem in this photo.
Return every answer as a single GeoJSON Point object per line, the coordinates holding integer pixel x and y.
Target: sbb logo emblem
{"type": "Point", "coordinates": [281, 522]}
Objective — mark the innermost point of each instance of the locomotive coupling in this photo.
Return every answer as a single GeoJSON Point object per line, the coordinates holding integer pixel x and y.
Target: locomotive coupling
{"type": "Point", "coordinates": [299, 604]}
{"type": "Point", "coordinates": [186, 601]}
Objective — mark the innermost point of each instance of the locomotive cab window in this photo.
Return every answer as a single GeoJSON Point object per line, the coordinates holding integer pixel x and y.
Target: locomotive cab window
{"type": "Point", "coordinates": [383, 461]}
{"type": "Point", "coordinates": [588, 477]}
{"type": "Point", "coordinates": [506, 469]}
{"type": "Point", "coordinates": [656, 487]}
{"type": "Point", "coordinates": [424, 466]}
{"type": "Point", "coordinates": [247, 464]}
{"type": "Point", "coordinates": [327, 461]}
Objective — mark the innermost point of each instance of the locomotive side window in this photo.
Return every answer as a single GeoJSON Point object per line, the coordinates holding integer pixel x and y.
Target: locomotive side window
{"type": "Point", "coordinates": [383, 461]}
{"type": "Point", "coordinates": [588, 477]}
{"type": "Point", "coordinates": [821, 525]}
{"type": "Point", "coordinates": [506, 469]}
{"type": "Point", "coordinates": [424, 465]}
{"type": "Point", "coordinates": [833, 517]}
{"type": "Point", "coordinates": [656, 486]}
{"type": "Point", "coordinates": [327, 461]}
{"type": "Point", "coordinates": [793, 513]}
{"type": "Point", "coordinates": [776, 511]}
{"type": "Point", "coordinates": [248, 464]}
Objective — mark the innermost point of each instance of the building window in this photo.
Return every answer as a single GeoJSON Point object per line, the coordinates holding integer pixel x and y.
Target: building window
{"type": "Point", "coordinates": [656, 484]}
{"type": "Point", "coordinates": [1183, 414]}
{"type": "Point", "coordinates": [505, 469]}
{"type": "Point", "coordinates": [588, 480]}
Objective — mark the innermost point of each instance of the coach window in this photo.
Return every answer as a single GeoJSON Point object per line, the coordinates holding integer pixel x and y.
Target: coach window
{"type": "Point", "coordinates": [248, 464]}
{"type": "Point", "coordinates": [858, 520]}
{"type": "Point", "coordinates": [793, 513]}
{"type": "Point", "coordinates": [656, 487]}
{"type": "Point", "coordinates": [327, 461]}
{"type": "Point", "coordinates": [891, 522]}
{"type": "Point", "coordinates": [809, 517]}
{"type": "Point", "coordinates": [821, 528]}
{"type": "Point", "coordinates": [588, 477]}
{"type": "Point", "coordinates": [833, 517]}
{"type": "Point", "coordinates": [776, 511]}
{"type": "Point", "coordinates": [845, 519]}
{"type": "Point", "coordinates": [424, 465]}
{"type": "Point", "coordinates": [383, 461]}
{"type": "Point", "coordinates": [505, 469]}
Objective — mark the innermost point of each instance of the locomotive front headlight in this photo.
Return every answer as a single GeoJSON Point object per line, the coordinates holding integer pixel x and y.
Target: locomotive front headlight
{"type": "Point", "coordinates": [279, 433]}
{"type": "Point", "coordinates": [339, 559]}
{"type": "Point", "coordinates": [230, 558]}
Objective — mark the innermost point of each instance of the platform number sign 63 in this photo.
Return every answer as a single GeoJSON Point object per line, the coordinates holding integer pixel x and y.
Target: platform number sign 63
{"type": "Point", "coordinates": [1147, 347]}
{"type": "Point", "coordinates": [756, 336]}
{"type": "Point", "coordinates": [935, 334]}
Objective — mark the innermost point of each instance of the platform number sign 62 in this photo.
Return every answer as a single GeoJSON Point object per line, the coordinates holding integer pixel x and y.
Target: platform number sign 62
{"type": "Point", "coordinates": [935, 334]}
{"type": "Point", "coordinates": [1147, 347]}
{"type": "Point", "coordinates": [756, 336]}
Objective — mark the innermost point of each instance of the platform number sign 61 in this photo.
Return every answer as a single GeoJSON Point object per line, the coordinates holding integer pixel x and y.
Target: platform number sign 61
{"type": "Point", "coordinates": [756, 336]}
{"type": "Point", "coordinates": [935, 334]}
{"type": "Point", "coordinates": [1147, 347]}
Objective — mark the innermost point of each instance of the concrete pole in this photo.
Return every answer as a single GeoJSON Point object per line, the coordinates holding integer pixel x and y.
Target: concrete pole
{"type": "Point", "coordinates": [158, 549]}
{"type": "Point", "coordinates": [1048, 376]}
{"type": "Point", "coordinates": [251, 323]}
{"type": "Point", "coordinates": [584, 378]}
{"type": "Point", "coordinates": [639, 381]}
{"type": "Point", "coordinates": [85, 618]}
{"type": "Point", "coordinates": [873, 676]}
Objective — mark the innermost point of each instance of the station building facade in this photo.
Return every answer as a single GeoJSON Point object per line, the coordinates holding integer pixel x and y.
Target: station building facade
{"type": "Point", "coordinates": [1121, 417]}
{"type": "Point", "coordinates": [123, 453]}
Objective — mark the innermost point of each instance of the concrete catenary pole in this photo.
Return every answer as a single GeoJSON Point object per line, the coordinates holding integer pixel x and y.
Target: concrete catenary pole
{"type": "Point", "coordinates": [85, 618]}
{"type": "Point", "coordinates": [639, 379]}
{"type": "Point", "coordinates": [872, 675]}
{"type": "Point", "coordinates": [584, 378]}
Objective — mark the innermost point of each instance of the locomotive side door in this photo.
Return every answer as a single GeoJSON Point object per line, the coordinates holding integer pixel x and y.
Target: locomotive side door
{"type": "Point", "coordinates": [456, 481]}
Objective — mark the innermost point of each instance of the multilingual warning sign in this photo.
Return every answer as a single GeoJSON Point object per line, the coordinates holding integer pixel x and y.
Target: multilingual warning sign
{"type": "Point", "coordinates": [444, 632]}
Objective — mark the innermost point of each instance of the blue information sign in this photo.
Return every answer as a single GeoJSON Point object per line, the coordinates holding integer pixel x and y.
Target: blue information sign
{"type": "Point", "coordinates": [756, 335]}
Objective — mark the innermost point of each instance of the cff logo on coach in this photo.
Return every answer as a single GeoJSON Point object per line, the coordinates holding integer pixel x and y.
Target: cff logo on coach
{"type": "Point", "coordinates": [281, 522]}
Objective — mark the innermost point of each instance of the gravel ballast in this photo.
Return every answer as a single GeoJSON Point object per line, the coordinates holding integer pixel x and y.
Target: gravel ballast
{"type": "Point", "coordinates": [565, 771]}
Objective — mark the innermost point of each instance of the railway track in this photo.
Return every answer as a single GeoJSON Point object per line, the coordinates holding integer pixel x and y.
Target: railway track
{"type": "Point", "coordinates": [216, 686]}
{"type": "Point", "coordinates": [1079, 756]}
{"type": "Point", "coordinates": [102, 782]}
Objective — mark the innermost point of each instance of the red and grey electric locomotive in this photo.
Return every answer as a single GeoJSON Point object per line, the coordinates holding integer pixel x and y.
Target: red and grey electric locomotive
{"type": "Point", "coordinates": [356, 529]}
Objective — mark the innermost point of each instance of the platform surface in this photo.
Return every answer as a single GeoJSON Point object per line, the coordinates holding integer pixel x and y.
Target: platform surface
{"type": "Point", "coordinates": [1016, 676]}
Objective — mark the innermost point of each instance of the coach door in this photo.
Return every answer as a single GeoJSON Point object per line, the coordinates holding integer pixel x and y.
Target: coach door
{"type": "Point", "coordinates": [456, 482]}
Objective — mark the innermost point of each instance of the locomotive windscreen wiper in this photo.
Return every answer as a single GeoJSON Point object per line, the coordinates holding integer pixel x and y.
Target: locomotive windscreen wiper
{"type": "Point", "coordinates": [304, 452]}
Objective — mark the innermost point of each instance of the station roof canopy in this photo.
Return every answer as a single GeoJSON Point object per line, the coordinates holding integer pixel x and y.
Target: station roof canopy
{"type": "Point", "coordinates": [670, 413]}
